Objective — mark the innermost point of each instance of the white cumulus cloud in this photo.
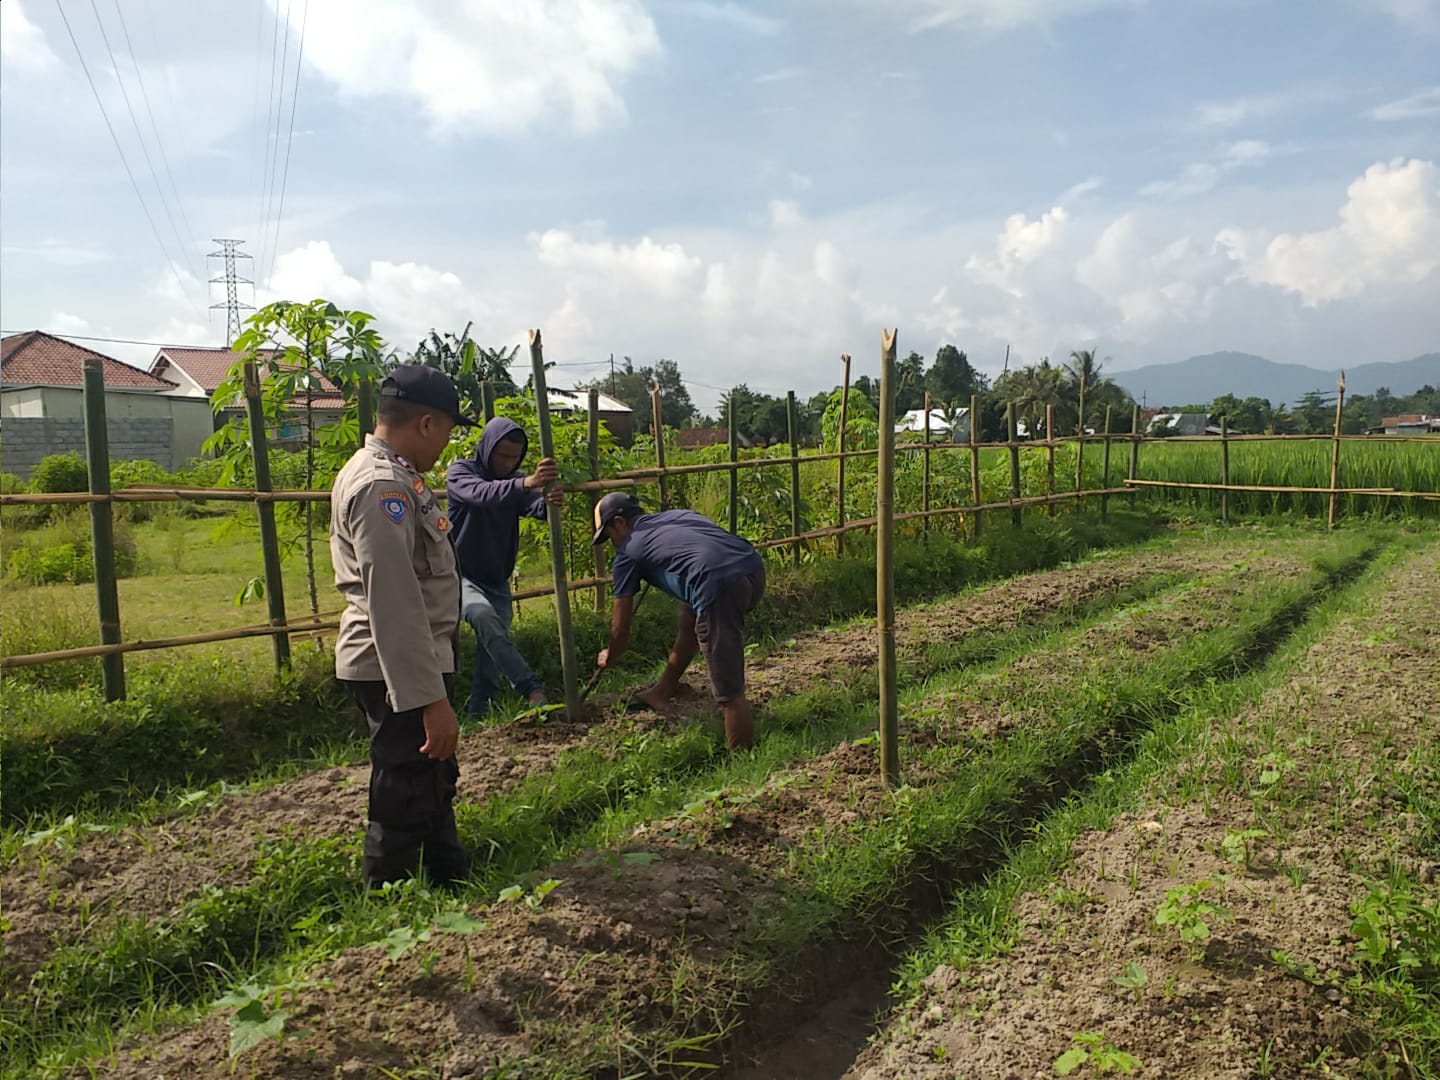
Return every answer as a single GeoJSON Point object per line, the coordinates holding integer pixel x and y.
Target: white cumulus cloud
{"type": "Point", "coordinates": [1388, 234]}
{"type": "Point", "coordinates": [486, 66]}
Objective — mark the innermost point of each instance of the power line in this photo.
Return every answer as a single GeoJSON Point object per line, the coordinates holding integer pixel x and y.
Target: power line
{"type": "Point", "coordinates": [135, 122]}
{"type": "Point", "coordinates": [289, 138]}
{"type": "Point", "coordinates": [274, 157]}
{"type": "Point", "coordinates": [255, 102]}
{"type": "Point", "coordinates": [271, 129]}
{"type": "Point", "coordinates": [155, 129]}
{"type": "Point", "coordinates": [169, 262]}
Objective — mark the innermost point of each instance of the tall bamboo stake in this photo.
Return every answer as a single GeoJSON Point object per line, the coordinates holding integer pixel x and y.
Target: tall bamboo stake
{"type": "Point", "coordinates": [556, 522]}
{"type": "Point", "coordinates": [885, 566]}
{"type": "Point", "coordinates": [975, 459]}
{"type": "Point", "coordinates": [265, 510]}
{"type": "Point", "coordinates": [1080, 446]}
{"type": "Point", "coordinates": [592, 433]}
{"type": "Point", "coordinates": [102, 526]}
{"type": "Point", "coordinates": [840, 448]}
{"type": "Point", "coordinates": [1335, 448]}
{"type": "Point", "coordinates": [925, 469]}
{"type": "Point", "coordinates": [1050, 458]}
{"type": "Point", "coordinates": [792, 420]}
{"type": "Point", "coordinates": [1225, 469]}
{"type": "Point", "coordinates": [1105, 469]}
{"type": "Point", "coordinates": [657, 429]}
{"type": "Point", "coordinates": [1134, 449]}
{"type": "Point", "coordinates": [1014, 448]}
{"type": "Point", "coordinates": [734, 445]}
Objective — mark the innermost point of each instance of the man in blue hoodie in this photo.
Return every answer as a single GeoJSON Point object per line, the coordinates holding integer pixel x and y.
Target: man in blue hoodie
{"type": "Point", "coordinates": [487, 496]}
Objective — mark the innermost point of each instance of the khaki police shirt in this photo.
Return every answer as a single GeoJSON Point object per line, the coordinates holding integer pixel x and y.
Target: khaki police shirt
{"type": "Point", "coordinates": [394, 565]}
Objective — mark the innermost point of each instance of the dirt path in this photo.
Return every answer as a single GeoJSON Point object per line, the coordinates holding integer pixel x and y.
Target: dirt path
{"type": "Point", "coordinates": [627, 938]}
{"type": "Point", "coordinates": [1332, 819]}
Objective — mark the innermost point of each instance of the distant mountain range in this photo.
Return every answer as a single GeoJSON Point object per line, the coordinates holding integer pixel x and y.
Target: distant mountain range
{"type": "Point", "coordinates": [1201, 379]}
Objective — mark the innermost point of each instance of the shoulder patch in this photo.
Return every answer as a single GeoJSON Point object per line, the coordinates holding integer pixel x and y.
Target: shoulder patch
{"type": "Point", "coordinates": [393, 503]}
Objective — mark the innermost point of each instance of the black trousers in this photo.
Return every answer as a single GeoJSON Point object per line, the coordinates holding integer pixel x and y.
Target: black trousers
{"type": "Point", "coordinates": [412, 812]}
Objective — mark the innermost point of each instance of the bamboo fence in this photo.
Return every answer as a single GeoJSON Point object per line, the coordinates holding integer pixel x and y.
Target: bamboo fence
{"type": "Point", "coordinates": [280, 628]}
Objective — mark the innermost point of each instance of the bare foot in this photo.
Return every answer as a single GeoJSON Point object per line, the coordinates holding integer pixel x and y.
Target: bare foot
{"type": "Point", "coordinates": [537, 698]}
{"type": "Point", "coordinates": [655, 697]}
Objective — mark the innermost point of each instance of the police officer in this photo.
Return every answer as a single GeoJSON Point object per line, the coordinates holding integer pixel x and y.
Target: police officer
{"type": "Point", "coordinates": [394, 565]}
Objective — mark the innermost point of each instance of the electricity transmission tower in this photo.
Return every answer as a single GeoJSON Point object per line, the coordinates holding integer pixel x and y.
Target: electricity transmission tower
{"type": "Point", "coordinates": [231, 280]}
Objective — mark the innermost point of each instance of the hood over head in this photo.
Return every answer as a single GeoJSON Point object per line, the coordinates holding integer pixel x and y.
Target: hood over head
{"type": "Point", "coordinates": [496, 430]}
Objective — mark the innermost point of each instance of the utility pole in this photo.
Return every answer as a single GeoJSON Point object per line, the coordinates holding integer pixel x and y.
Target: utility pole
{"type": "Point", "coordinates": [612, 374]}
{"type": "Point", "coordinates": [231, 280]}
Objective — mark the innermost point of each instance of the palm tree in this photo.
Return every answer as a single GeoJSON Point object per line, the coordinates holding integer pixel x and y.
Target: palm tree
{"type": "Point", "coordinates": [1086, 384]}
{"type": "Point", "coordinates": [1032, 388]}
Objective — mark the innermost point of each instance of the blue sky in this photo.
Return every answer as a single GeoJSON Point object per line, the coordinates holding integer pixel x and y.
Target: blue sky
{"type": "Point", "coordinates": [748, 189]}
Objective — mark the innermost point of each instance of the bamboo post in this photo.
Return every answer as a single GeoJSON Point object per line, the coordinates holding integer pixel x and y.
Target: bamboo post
{"type": "Point", "coordinates": [554, 517]}
{"type": "Point", "coordinates": [487, 400]}
{"type": "Point", "coordinates": [925, 471]}
{"type": "Point", "coordinates": [1105, 469]}
{"type": "Point", "coordinates": [365, 405]}
{"type": "Point", "coordinates": [102, 526]}
{"type": "Point", "coordinates": [1050, 459]}
{"type": "Point", "coordinates": [734, 439]}
{"type": "Point", "coordinates": [885, 566]}
{"type": "Point", "coordinates": [1080, 447]}
{"type": "Point", "coordinates": [840, 448]}
{"type": "Point", "coordinates": [792, 421]}
{"type": "Point", "coordinates": [975, 459]}
{"type": "Point", "coordinates": [265, 510]}
{"type": "Point", "coordinates": [1225, 469]}
{"type": "Point", "coordinates": [1134, 450]}
{"type": "Point", "coordinates": [1014, 448]}
{"type": "Point", "coordinates": [593, 436]}
{"type": "Point", "coordinates": [657, 429]}
{"type": "Point", "coordinates": [1335, 450]}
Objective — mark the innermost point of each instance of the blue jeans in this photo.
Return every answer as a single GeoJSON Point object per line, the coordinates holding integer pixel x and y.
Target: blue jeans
{"type": "Point", "coordinates": [487, 609]}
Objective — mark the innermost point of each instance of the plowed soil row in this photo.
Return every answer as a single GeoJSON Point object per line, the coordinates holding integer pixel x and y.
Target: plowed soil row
{"type": "Point", "coordinates": [668, 931]}
{"type": "Point", "coordinates": [148, 870]}
{"type": "Point", "coordinates": [1354, 729]}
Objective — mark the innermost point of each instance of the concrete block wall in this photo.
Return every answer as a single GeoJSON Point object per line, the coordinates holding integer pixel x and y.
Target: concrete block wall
{"type": "Point", "coordinates": [25, 440]}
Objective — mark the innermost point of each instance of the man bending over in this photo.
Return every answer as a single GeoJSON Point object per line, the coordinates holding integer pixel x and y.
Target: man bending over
{"type": "Point", "coordinates": [718, 579]}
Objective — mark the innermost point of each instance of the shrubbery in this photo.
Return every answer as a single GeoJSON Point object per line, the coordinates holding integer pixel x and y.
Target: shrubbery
{"type": "Point", "coordinates": [60, 552]}
{"type": "Point", "coordinates": [59, 472]}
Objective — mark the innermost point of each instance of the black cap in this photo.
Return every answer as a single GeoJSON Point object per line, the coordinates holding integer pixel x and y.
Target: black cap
{"type": "Point", "coordinates": [616, 504]}
{"type": "Point", "coordinates": [421, 384]}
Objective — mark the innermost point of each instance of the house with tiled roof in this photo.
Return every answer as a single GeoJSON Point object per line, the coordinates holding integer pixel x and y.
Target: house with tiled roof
{"type": "Point", "coordinates": [198, 370]}
{"type": "Point", "coordinates": [42, 406]}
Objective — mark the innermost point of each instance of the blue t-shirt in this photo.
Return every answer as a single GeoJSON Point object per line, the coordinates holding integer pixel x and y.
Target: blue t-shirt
{"type": "Point", "coordinates": [681, 553]}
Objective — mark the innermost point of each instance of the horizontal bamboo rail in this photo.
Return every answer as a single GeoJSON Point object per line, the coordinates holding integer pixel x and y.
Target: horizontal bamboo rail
{"type": "Point", "coordinates": [913, 515]}
{"type": "Point", "coordinates": [310, 623]}
{"type": "Point", "coordinates": [1389, 493]}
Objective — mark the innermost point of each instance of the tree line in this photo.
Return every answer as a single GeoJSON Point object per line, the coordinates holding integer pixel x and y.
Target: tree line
{"type": "Point", "coordinates": [1036, 390]}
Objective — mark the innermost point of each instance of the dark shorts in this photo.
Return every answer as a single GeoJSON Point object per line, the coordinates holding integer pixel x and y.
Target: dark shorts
{"type": "Point", "coordinates": [720, 629]}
